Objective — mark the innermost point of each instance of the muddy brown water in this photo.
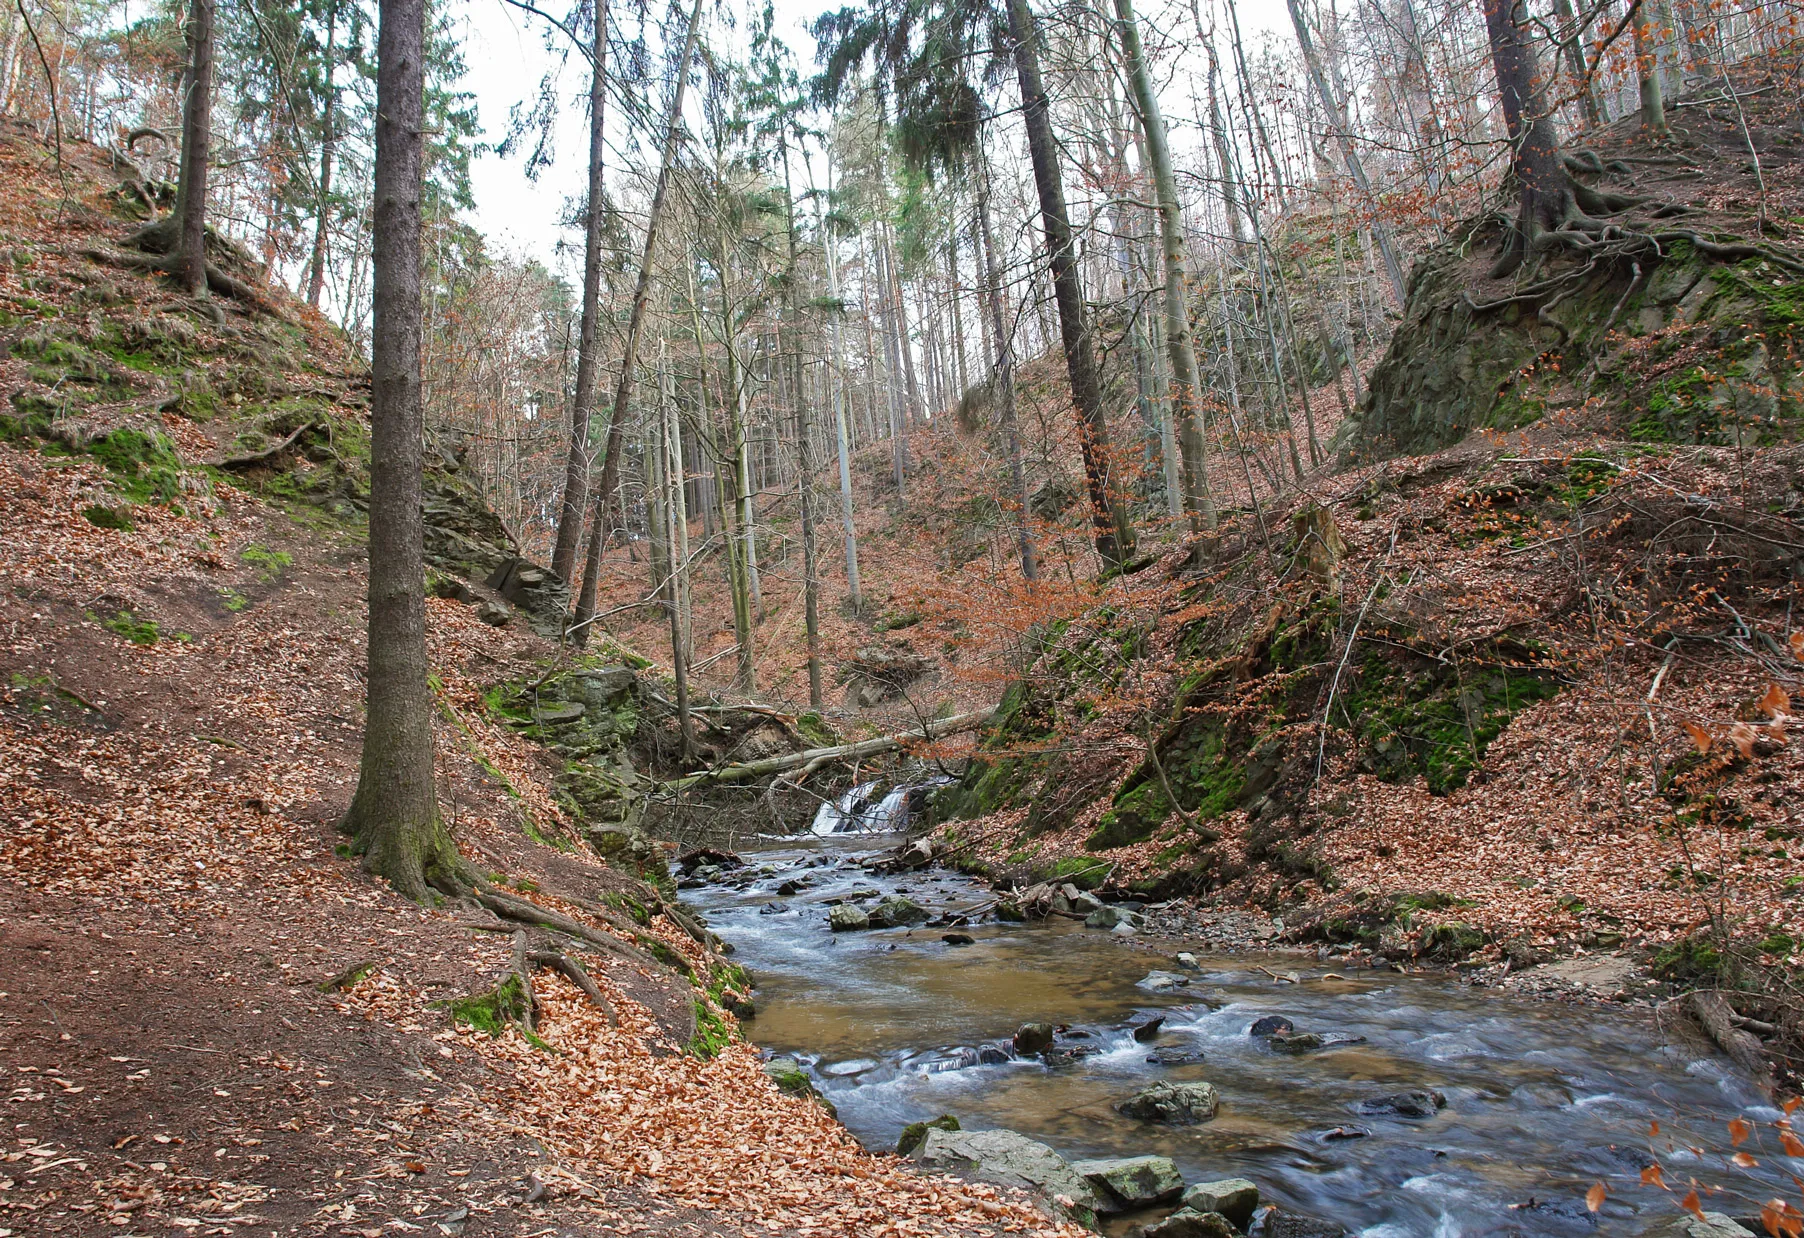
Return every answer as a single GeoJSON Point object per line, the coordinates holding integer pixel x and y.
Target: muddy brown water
{"type": "Point", "coordinates": [1543, 1098]}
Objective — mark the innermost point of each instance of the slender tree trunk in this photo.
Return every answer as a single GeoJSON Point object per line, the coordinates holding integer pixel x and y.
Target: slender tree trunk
{"type": "Point", "coordinates": [1114, 536]}
{"type": "Point", "coordinates": [836, 380]}
{"type": "Point", "coordinates": [1337, 116]}
{"type": "Point", "coordinates": [811, 585]}
{"type": "Point", "coordinates": [679, 573]}
{"type": "Point", "coordinates": [902, 331]}
{"type": "Point", "coordinates": [1218, 134]}
{"type": "Point", "coordinates": [316, 263]}
{"type": "Point", "coordinates": [1004, 369]}
{"type": "Point", "coordinates": [1180, 350]}
{"type": "Point", "coordinates": [1570, 37]}
{"type": "Point", "coordinates": [394, 813]}
{"type": "Point", "coordinates": [623, 389]}
{"type": "Point", "coordinates": [582, 402]}
{"type": "Point", "coordinates": [197, 127]}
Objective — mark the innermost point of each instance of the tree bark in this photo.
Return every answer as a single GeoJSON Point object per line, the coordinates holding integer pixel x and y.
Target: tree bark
{"type": "Point", "coordinates": [582, 402]}
{"type": "Point", "coordinates": [836, 379]}
{"type": "Point", "coordinates": [394, 813]}
{"type": "Point", "coordinates": [1114, 536]}
{"type": "Point", "coordinates": [316, 262]}
{"type": "Point", "coordinates": [1179, 347]}
{"type": "Point", "coordinates": [1534, 146]}
{"type": "Point", "coordinates": [197, 125]}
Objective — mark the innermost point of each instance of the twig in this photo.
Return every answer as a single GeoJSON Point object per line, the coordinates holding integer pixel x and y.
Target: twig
{"type": "Point", "coordinates": [1321, 743]}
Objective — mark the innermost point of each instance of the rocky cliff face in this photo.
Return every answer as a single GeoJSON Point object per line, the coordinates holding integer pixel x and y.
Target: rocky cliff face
{"type": "Point", "coordinates": [1677, 320]}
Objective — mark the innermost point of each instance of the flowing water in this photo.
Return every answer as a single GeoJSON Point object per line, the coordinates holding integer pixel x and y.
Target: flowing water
{"type": "Point", "coordinates": [1543, 1098]}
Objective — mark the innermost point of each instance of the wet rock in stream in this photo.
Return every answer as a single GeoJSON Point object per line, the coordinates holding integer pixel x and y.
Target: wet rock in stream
{"type": "Point", "coordinates": [1032, 1038]}
{"type": "Point", "coordinates": [1421, 1104]}
{"type": "Point", "coordinates": [1187, 1223]}
{"type": "Point", "coordinates": [1129, 1183]}
{"type": "Point", "coordinates": [1235, 1198]}
{"type": "Point", "coordinates": [1161, 981]}
{"type": "Point", "coordinates": [1177, 1104]}
{"type": "Point", "coordinates": [1011, 1159]}
{"type": "Point", "coordinates": [1272, 1025]}
{"type": "Point", "coordinates": [1176, 1057]}
{"type": "Point", "coordinates": [847, 919]}
{"type": "Point", "coordinates": [1274, 1223]}
{"type": "Point", "coordinates": [898, 911]}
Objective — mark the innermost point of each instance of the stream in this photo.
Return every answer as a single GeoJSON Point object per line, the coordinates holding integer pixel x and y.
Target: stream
{"type": "Point", "coordinates": [1543, 1098]}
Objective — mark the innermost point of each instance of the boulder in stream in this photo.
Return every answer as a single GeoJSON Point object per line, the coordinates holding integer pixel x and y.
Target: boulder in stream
{"type": "Point", "coordinates": [1178, 1104]}
{"type": "Point", "coordinates": [1235, 1198]}
{"type": "Point", "coordinates": [1127, 1183]}
{"type": "Point", "coordinates": [847, 919]}
{"type": "Point", "coordinates": [1161, 981]}
{"type": "Point", "coordinates": [1420, 1104]}
{"type": "Point", "coordinates": [1147, 1029]}
{"type": "Point", "coordinates": [1275, 1223]}
{"type": "Point", "coordinates": [792, 1080]}
{"type": "Point", "coordinates": [1187, 1223]}
{"type": "Point", "coordinates": [1294, 1042]}
{"type": "Point", "coordinates": [1107, 917]}
{"type": "Point", "coordinates": [1272, 1025]}
{"type": "Point", "coordinates": [1032, 1038]}
{"type": "Point", "coordinates": [1011, 1159]}
{"type": "Point", "coordinates": [897, 911]}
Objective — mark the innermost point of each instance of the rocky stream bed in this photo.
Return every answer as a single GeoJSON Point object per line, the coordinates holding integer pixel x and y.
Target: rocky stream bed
{"type": "Point", "coordinates": [1174, 1089]}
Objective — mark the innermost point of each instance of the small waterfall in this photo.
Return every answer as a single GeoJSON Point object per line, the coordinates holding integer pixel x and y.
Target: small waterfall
{"type": "Point", "coordinates": [862, 811]}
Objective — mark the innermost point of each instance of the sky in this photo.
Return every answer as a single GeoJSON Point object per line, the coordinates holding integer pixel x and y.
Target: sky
{"type": "Point", "coordinates": [506, 56]}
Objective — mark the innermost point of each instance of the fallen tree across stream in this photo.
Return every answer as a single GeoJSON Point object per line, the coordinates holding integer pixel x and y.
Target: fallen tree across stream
{"type": "Point", "coordinates": [812, 759]}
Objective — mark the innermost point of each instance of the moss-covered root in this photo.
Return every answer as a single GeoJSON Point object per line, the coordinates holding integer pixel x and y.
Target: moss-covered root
{"type": "Point", "coordinates": [511, 1001]}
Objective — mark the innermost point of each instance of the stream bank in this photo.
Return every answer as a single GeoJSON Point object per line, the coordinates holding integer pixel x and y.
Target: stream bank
{"type": "Point", "coordinates": [899, 1025]}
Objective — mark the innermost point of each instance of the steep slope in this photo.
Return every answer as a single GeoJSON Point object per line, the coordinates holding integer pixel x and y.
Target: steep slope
{"type": "Point", "coordinates": [1523, 694]}
{"type": "Point", "coordinates": [209, 1018]}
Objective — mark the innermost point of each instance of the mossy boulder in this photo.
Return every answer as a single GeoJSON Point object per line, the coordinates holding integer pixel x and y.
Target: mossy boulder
{"type": "Point", "coordinates": [915, 1132]}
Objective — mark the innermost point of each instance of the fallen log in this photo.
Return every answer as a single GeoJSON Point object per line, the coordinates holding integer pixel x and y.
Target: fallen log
{"type": "Point", "coordinates": [1712, 1010]}
{"type": "Point", "coordinates": [877, 746]}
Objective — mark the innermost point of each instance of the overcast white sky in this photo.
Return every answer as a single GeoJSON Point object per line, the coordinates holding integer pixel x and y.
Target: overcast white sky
{"type": "Point", "coordinates": [506, 54]}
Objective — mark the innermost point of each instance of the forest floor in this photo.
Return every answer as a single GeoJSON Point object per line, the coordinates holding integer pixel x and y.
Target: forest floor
{"type": "Point", "coordinates": [210, 1020]}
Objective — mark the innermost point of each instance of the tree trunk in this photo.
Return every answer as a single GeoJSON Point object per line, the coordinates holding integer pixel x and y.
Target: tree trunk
{"type": "Point", "coordinates": [1337, 116]}
{"type": "Point", "coordinates": [197, 125]}
{"type": "Point", "coordinates": [1647, 73]}
{"type": "Point", "coordinates": [1534, 147]}
{"type": "Point", "coordinates": [623, 389]}
{"type": "Point", "coordinates": [1114, 536]}
{"type": "Point", "coordinates": [316, 263]}
{"type": "Point", "coordinates": [811, 585]}
{"type": "Point", "coordinates": [582, 403]}
{"type": "Point", "coordinates": [837, 381]}
{"type": "Point", "coordinates": [394, 813]}
{"type": "Point", "coordinates": [1180, 350]}
{"type": "Point", "coordinates": [1570, 37]}
{"type": "Point", "coordinates": [1004, 371]}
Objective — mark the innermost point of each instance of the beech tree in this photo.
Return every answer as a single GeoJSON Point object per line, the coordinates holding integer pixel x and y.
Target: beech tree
{"type": "Point", "coordinates": [190, 264]}
{"type": "Point", "coordinates": [394, 813]}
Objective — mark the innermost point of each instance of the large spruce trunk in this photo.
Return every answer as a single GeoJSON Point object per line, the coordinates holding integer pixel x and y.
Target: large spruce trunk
{"type": "Point", "coordinates": [394, 814]}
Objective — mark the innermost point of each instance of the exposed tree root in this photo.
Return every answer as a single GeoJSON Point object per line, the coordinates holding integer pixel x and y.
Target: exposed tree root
{"type": "Point", "coordinates": [573, 971]}
{"type": "Point", "coordinates": [522, 911]}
